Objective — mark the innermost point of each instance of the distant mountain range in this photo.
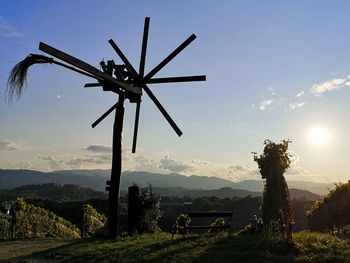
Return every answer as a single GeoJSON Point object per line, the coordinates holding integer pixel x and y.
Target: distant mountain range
{"type": "Point", "coordinates": [96, 180]}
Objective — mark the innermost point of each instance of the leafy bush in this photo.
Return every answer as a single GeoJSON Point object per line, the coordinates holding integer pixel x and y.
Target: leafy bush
{"type": "Point", "coordinates": [181, 223]}
{"type": "Point", "coordinates": [217, 222]}
{"type": "Point", "coordinates": [151, 211]}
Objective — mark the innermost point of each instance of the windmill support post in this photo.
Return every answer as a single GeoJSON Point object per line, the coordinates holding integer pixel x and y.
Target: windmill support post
{"type": "Point", "coordinates": [116, 172]}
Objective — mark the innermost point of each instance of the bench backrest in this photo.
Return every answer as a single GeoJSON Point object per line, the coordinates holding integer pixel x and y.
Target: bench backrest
{"type": "Point", "coordinates": [210, 214]}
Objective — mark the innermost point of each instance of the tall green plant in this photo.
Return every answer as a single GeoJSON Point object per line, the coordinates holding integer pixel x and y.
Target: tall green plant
{"type": "Point", "coordinates": [151, 211]}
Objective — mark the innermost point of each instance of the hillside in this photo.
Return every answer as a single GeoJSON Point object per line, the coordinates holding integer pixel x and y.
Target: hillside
{"type": "Point", "coordinates": [51, 191]}
{"type": "Point", "coordinates": [308, 247]}
{"type": "Point", "coordinates": [69, 192]}
{"type": "Point", "coordinates": [303, 194]}
{"type": "Point", "coordinates": [96, 180]}
{"type": "Point", "coordinates": [32, 221]}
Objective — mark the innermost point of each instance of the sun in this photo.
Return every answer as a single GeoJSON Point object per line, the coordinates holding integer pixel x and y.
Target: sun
{"type": "Point", "coordinates": [318, 136]}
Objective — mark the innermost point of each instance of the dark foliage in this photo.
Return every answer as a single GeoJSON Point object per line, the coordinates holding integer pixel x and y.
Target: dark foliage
{"type": "Point", "coordinates": [333, 210]}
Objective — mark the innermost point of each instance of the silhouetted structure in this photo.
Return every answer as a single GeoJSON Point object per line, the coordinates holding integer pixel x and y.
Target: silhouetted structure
{"type": "Point", "coordinates": [121, 79]}
{"type": "Point", "coordinates": [134, 210]}
{"type": "Point", "coordinates": [276, 207]}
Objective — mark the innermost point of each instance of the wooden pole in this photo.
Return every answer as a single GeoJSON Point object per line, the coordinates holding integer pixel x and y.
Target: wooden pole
{"type": "Point", "coordinates": [114, 189]}
{"type": "Point", "coordinates": [134, 210]}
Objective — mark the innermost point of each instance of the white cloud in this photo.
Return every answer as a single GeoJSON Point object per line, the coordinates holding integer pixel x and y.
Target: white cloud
{"type": "Point", "coordinates": [53, 163]}
{"type": "Point", "coordinates": [266, 104]}
{"type": "Point", "coordinates": [84, 162]}
{"type": "Point", "coordinates": [300, 94]}
{"type": "Point", "coordinates": [271, 90]}
{"type": "Point", "coordinates": [174, 166]}
{"type": "Point", "coordinates": [333, 84]}
{"type": "Point", "coordinates": [10, 145]}
{"type": "Point", "coordinates": [236, 172]}
{"type": "Point", "coordinates": [20, 165]}
{"type": "Point", "coordinates": [99, 148]}
{"type": "Point", "coordinates": [7, 30]}
{"type": "Point", "coordinates": [296, 105]}
{"type": "Point", "coordinates": [145, 164]}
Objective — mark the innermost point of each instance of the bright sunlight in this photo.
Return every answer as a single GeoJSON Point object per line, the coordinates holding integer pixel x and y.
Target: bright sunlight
{"type": "Point", "coordinates": [318, 136]}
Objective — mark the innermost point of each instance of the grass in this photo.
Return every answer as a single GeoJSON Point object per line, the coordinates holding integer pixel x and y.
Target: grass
{"type": "Point", "coordinates": [222, 247]}
{"type": "Point", "coordinates": [22, 248]}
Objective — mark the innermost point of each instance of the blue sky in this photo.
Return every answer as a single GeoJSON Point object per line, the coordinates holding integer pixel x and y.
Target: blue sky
{"type": "Point", "coordinates": [275, 70]}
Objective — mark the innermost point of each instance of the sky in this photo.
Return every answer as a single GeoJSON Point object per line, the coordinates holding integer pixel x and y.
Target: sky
{"type": "Point", "coordinates": [275, 70]}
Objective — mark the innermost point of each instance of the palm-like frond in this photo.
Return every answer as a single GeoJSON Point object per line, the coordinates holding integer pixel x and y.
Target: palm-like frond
{"type": "Point", "coordinates": [18, 75]}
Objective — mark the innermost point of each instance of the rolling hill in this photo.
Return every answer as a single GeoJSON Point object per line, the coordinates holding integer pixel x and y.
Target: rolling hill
{"type": "Point", "coordinates": [96, 180]}
{"type": "Point", "coordinates": [51, 191]}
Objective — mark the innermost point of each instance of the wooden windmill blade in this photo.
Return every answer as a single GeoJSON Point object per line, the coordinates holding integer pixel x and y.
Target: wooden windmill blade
{"type": "Point", "coordinates": [162, 110]}
{"type": "Point", "coordinates": [141, 73]}
{"type": "Point", "coordinates": [172, 55]}
{"type": "Point", "coordinates": [176, 79]}
{"type": "Point", "coordinates": [87, 67]}
{"type": "Point", "coordinates": [123, 58]}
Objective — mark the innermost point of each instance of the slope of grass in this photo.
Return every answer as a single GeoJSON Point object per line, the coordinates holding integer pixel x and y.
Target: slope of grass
{"type": "Point", "coordinates": [222, 247]}
{"type": "Point", "coordinates": [10, 250]}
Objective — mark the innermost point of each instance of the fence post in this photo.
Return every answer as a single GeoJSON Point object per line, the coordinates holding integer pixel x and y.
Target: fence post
{"type": "Point", "coordinates": [134, 209]}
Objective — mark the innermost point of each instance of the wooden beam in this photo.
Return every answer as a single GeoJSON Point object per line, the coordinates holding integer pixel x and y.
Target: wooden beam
{"type": "Point", "coordinates": [176, 79]}
{"type": "Point", "coordinates": [87, 67]}
{"type": "Point", "coordinates": [170, 57]}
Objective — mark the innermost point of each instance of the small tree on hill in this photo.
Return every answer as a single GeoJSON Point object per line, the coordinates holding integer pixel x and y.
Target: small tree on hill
{"type": "Point", "coordinates": [332, 210]}
{"type": "Point", "coordinates": [273, 163]}
{"type": "Point", "coordinates": [151, 211]}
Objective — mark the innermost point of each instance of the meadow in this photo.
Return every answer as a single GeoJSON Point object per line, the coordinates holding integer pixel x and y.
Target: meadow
{"type": "Point", "coordinates": [220, 247]}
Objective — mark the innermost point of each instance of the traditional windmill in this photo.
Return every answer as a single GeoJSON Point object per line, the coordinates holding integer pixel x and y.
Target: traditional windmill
{"type": "Point", "coordinates": [122, 79]}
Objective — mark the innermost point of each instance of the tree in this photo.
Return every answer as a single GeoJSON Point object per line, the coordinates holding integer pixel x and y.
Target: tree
{"type": "Point", "coordinates": [276, 207]}
{"type": "Point", "coordinates": [151, 211]}
{"type": "Point", "coordinates": [332, 210]}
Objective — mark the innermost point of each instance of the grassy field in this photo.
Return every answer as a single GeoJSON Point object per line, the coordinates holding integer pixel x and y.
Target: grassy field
{"type": "Point", "coordinates": [222, 247]}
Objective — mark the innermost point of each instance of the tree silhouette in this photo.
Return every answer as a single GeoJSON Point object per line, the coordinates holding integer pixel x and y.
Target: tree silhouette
{"type": "Point", "coordinates": [276, 208]}
{"type": "Point", "coordinates": [332, 210]}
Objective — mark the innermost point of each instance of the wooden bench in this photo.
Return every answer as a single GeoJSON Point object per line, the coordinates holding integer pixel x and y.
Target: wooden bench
{"type": "Point", "coordinates": [198, 214]}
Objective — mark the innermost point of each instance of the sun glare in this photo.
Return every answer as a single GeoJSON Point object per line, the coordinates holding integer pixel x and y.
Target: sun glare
{"type": "Point", "coordinates": [318, 136]}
